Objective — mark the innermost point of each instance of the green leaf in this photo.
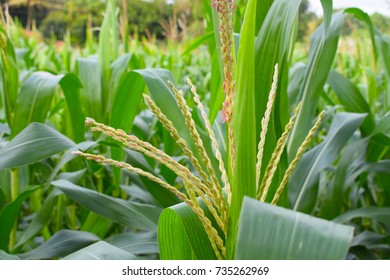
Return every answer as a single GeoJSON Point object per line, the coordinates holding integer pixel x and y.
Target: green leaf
{"type": "Point", "coordinates": [262, 13]}
{"type": "Point", "coordinates": [156, 81]}
{"type": "Point", "coordinates": [141, 243]}
{"type": "Point", "coordinates": [9, 215]}
{"type": "Point", "coordinates": [164, 197]}
{"type": "Point", "coordinates": [9, 77]}
{"type": "Point", "coordinates": [273, 45]}
{"type": "Point", "coordinates": [217, 95]}
{"type": "Point", "coordinates": [327, 6]}
{"type": "Point", "coordinates": [91, 94]}
{"type": "Point", "coordinates": [33, 103]}
{"type": "Point", "coordinates": [126, 102]}
{"type": "Point", "coordinates": [282, 234]}
{"type": "Point", "coordinates": [34, 143]}
{"type": "Point", "coordinates": [302, 193]}
{"type": "Point", "coordinates": [41, 219]}
{"type": "Point", "coordinates": [125, 108]}
{"type": "Point", "coordinates": [362, 16]}
{"type": "Point", "coordinates": [100, 251]}
{"type": "Point", "coordinates": [376, 213]}
{"type": "Point", "coordinates": [322, 52]}
{"type": "Point", "coordinates": [118, 69]}
{"type": "Point", "coordinates": [131, 214]}
{"type": "Point", "coordinates": [336, 194]}
{"type": "Point", "coordinates": [244, 125]}
{"type": "Point", "coordinates": [60, 244]}
{"type": "Point", "coordinates": [71, 85]}
{"type": "Point", "coordinates": [5, 256]}
{"type": "Point", "coordinates": [347, 93]}
{"type": "Point", "coordinates": [195, 43]}
{"type": "Point", "coordinates": [107, 53]}
{"type": "Point", "coordinates": [181, 235]}
{"type": "Point", "coordinates": [351, 98]}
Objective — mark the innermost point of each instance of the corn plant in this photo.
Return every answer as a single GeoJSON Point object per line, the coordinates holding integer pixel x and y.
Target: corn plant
{"type": "Point", "coordinates": [217, 210]}
{"type": "Point", "coordinates": [205, 182]}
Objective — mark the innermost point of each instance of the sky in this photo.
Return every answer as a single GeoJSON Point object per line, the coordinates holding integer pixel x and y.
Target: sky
{"type": "Point", "coordinates": [369, 6]}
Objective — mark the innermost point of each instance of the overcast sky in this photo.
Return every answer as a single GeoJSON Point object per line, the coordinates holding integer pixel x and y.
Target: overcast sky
{"type": "Point", "coordinates": [369, 6]}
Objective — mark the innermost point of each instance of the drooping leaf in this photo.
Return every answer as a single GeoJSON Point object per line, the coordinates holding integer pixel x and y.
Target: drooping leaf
{"type": "Point", "coordinates": [140, 243]}
{"type": "Point", "coordinates": [376, 213]}
{"type": "Point", "coordinates": [282, 234]}
{"type": "Point", "coordinates": [131, 214]}
{"type": "Point", "coordinates": [60, 244]}
{"type": "Point", "coordinates": [34, 143]}
{"type": "Point", "coordinates": [100, 251]}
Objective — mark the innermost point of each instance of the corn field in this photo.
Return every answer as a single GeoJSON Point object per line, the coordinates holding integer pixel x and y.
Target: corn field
{"type": "Point", "coordinates": [238, 144]}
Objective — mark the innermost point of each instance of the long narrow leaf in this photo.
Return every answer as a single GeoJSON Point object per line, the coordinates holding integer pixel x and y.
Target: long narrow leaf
{"type": "Point", "coordinates": [38, 141]}
{"type": "Point", "coordinates": [128, 213]}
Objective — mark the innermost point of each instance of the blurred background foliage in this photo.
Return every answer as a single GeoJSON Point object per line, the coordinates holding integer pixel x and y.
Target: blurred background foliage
{"type": "Point", "coordinates": [155, 18]}
{"type": "Point", "coordinates": [149, 18]}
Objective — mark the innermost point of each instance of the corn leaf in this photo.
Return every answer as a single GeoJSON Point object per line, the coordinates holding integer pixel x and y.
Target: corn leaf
{"type": "Point", "coordinates": [131, 214]}
{"type": "Point", "coordinates": [299, 236]}
{"type": "Point", "coordinates": [156, 81]}
{"type": "Point", "coordinates": [181, 235]}
{"type": "Point", "coordinates": [107, 53]}
{"type": "Point", "coordinates": [273, 46]}
{"type": "Point", "coordinates": [9, 76]}
{"type": "Point", "coordinates": [124, 109]}
{"type": "Point", "coordinates": [302, 191]}
{"type": "Point", "coordinates": [91, 93]}
{"type": "Point", "coordinates": [60, 244]}
{"type": "Point", "coordinates": [375, 213]}
{"type": "Point", "coordinates": [322, 52]}
{"type": "Point", "coordinates": [38, 141]}
{"type": "Point", "coordinates": [9, 215]}
{"type": "Point", "coordinates": [41, 219]}
{"type": "Point", "coordinates": [244, 126]}
{"type": "Point", "coordinates": [100, 251]}
{"type": "Point", "coordinates": [71, 85]}
{"type": "Point", "coordinates": [33, 103]}
{"type": "Point", "coordinates": [140, 243]}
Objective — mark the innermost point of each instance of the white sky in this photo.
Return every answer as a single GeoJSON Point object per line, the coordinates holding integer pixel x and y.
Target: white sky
{"type": "Point", "coordinates": [369, 6]}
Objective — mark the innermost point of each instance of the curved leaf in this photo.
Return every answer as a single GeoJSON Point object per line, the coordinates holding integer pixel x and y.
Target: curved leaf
{"type": "Point", "coordinates": [9, 215]}
{"type": "Point", "coordinates": [38, 141]}
{"type": "Point", "coordinates": [181, 235]}
{"type": "Point", "coordinates": [322, 52]}
{"type": "Point", "coordinates": [100, 251]}
{"type": "Point", "coordinates": [40, 220]}
{"type": "Point", "coordinates": [136, 243]}
{"type": "Point", "coordinates": [60, 244]}
{"type": "Point", "coordinates": [282, 234]}
{"type": "Point", "coordinates": [317, 159]}
{"type": "Point", "coordinates": [376, 213]}
{"type": "Point", "coordinates": [131, 214]}
{"type": "Point", "coordinates": [33, 103]}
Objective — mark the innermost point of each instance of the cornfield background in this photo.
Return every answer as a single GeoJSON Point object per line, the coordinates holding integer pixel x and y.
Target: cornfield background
{"type": "Point", "coordinates": [334, 204]}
